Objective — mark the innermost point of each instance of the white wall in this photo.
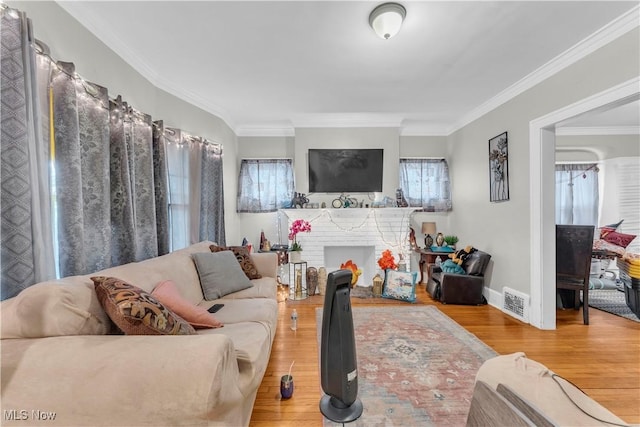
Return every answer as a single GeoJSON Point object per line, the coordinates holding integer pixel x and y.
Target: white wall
{"type": "Point", "coordinates": [503, 229]}
{"type": "Point", "coordinates": [70, 41]}
{"type": "Point", "coordinates": [395, 146]}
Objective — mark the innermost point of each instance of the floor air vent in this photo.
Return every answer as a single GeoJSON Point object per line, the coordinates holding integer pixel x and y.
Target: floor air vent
{"type": "Point", "coordinates": [516, 304]}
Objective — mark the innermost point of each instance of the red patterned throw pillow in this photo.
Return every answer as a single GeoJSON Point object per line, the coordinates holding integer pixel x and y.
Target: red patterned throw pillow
{"type": "Point", "coordinates": [137, 312]}
{"type": "Point", "coordinates": [619, 239]}
{"type": "Point", "coordinates": [244, 258]}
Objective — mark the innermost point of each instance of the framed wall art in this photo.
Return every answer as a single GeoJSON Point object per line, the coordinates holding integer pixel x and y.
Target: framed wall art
{"type": "Point", "coordinates": [499, 168]}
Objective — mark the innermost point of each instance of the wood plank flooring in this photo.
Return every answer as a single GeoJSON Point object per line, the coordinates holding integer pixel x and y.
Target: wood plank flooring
{"type": "Point", "coordinates": [603, 358]}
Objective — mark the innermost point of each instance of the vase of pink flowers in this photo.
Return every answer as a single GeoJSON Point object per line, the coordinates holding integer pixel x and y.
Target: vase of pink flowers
{"type": "Point", "coordinates": [297, 226]}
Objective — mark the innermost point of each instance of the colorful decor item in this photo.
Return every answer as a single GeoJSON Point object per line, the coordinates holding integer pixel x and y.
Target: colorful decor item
{"type": "Point", "coordinates": [298, 226]}
{"type": "Point", "coordinates": [356, 272]}
{"type": "Point", "coordinates": [387, 261]}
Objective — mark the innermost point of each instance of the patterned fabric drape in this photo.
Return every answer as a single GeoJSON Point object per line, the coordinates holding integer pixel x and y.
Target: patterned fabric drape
{"type": "Point", "coordinates": [136, 196]}
{"type": "Point", "coordinates": [425, 183]}
{"type": "Point", "coordinates": [25, 231]}
{"type": "Point", "coordinates": [82, 185]}
{"type": "Point", "coordinates": [211, 193]}
{"type": "Point", "coordinates": [577, 194]}
{"type": "Point", "coordinates": [265, 185]}
{"type": "Point", "coordinates": [161, 187]}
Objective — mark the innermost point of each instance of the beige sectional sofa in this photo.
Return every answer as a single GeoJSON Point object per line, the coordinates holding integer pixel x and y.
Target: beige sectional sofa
{"type": "Point", "coordinates": [59, 360]}
{"type": "Point", "coordinates": [512, 390]}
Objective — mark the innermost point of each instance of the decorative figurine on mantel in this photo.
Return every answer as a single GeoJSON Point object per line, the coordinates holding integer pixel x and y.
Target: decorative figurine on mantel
{"type": "Point", "coordinates": [299, 199]}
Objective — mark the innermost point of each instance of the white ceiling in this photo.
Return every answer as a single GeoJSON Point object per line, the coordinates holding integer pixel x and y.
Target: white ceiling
{"type": "Point", "coordinates": [269, 66]}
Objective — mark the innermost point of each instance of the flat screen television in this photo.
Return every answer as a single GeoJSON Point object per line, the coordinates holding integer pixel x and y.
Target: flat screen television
{"type": "Point", "coordinates": [345, 171]}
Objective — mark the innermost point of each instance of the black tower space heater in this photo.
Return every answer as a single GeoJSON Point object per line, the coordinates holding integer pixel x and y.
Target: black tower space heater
{"type": "Point", "coordinates": [338, 365]}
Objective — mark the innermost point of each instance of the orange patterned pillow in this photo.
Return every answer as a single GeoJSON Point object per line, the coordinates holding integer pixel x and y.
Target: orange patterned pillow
{"type": "Point", "coordinates": [244, 258]}
{"type": "Point", "coordinates": [135, 311]}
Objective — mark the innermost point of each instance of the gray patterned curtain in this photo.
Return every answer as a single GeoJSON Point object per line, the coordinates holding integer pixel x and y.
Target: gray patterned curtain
{"type": "Point", "coordinates": [211, 193]}
{"type": "Point", "coordinates": [26, 244]}
{"type": "Point", "coordinates": [161, 186]}
{"type": "Point", "coordinates": [82, 184]}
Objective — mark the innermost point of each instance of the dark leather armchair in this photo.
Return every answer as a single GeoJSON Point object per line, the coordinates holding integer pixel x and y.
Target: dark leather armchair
{"type": "Point", "coordinates": [452, 288]}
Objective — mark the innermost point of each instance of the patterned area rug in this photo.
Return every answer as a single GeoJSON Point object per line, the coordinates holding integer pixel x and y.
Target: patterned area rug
{"type": "Point", "coordinates": [611, 301]}
{"type": "Point", "coordinates": [416, 366]}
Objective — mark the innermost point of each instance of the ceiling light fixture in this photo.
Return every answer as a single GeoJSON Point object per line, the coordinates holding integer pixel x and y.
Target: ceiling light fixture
{"type": "Point", "coordinates": [386, 19]}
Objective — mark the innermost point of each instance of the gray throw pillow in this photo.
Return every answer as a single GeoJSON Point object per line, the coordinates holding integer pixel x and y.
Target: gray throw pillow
{"type": "Point", "coordinates": [220, 274]}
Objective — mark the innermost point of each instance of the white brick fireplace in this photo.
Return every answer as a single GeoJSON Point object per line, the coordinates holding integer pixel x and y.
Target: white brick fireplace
{"type": "Point", "coordinates": [359, 234]}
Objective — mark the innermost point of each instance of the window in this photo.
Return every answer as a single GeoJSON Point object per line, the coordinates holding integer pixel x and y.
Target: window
{"type": "Point", "coordinates": [265, 185]}
{"type": "Point", "coordinates": [179, 216]}
{"type": "Point", "coordinates": [577, 194]}
{"type": "Point", "coordinates": [425, 183]}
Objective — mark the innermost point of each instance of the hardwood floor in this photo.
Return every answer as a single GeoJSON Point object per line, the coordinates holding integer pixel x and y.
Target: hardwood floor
{"type": "Point", "coordinates": [603, 358]}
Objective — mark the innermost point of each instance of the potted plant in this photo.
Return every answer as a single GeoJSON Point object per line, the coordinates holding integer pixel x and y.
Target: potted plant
{"type": "Point", "coordinates": [451, 240]}
{"type": "Point", "coordinates": [297, 226]}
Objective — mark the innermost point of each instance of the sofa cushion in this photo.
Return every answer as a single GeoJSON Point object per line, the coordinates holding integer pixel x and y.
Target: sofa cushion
{"type": "Point", "coordinates": [220, 274]}
{"type": "Point", "coordinates": [135, 311]}
{"type": "Point", "coordinates": [50, 309]}
{"type": "Point", "coordinates": [244, 259]}
{"type": "Point", "coordinates": [167, 293]}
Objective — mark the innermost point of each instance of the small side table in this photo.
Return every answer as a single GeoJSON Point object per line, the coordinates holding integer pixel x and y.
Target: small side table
{"type": "Point", "coordinates": [298, 280]}
{"type": "Point", "coordinates": [428, 257]}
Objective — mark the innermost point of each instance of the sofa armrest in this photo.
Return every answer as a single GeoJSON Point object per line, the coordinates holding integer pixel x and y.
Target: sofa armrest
{"type": "Point", "coordinates": [461, 289]}
{"type": "Point", "coordinates": [560, 401]}
{"type": "Point", "coordinates": [266, 263]}
{"type": "Point", "coordinates": [122, 380]}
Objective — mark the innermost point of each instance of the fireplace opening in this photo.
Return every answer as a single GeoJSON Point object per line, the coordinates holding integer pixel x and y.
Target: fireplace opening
{"type": "Point", "coordinates": [362, 256]}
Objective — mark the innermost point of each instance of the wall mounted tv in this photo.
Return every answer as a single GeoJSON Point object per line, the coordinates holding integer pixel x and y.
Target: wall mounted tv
{"type": "Point", "coordinates": [345, 171]}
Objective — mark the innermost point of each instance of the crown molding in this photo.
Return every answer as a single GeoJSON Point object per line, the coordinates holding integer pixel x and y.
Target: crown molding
{"type": "Point", "coordinates": [274, 131]}
{"type": "Point", "coordinates": [598, 130]}
{"type": "Point", "coordinates": [348, 120]}
{"type": "Point", "coordinates": [613, 30]}
{"type": "Point", "coordinates": [417, 128]}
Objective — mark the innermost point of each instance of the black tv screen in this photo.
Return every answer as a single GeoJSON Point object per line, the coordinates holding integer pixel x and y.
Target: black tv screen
{"type": "Point", "coordinates": [345, 171]}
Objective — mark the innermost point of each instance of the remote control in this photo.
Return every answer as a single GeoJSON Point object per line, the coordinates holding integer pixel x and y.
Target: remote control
{"type": "Point", "coordinates": [215, 307]}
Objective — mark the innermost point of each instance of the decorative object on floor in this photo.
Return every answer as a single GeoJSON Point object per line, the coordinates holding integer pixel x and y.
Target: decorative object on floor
{"type": "Point", "coordinates": [416, 366]}
{"type": "Point", "coordinates": [498, 168]}
{"type": "Point", "coordinates": [387, 261]}
{"type": "Point", "coordinates": [298, 280]}
{"type": "Point", "coordinates": [322, 280]}
{"type": "Point", "coordinates": [451, 241]}
{"type": "Point", "coordinates": [428, 228]}
{"type": "Point", "coordinates": [298, 226]}
{"type": "Point", "coordinates": [353, 268]}
{"type": "Point", "coordinates": [338, 363]}
{"type": "Point", "coordinates": [400, 285]}
{"type": "Point", "coordinates": [312, 280]}
{"type": "Point", "coordinates": [440, 240]}
{"type": "Point", "coordinates": [386, 19]}
{"type": "Point", "coordinates": [611, 301]}
{"type": "Point", "coordinates": [378, 282]}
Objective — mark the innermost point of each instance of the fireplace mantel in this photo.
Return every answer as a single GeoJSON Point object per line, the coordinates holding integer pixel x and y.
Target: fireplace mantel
{"type": "Point", "coordinates": [339, 229]}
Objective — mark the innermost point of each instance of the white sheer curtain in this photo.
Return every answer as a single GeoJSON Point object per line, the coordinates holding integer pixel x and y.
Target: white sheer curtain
{"type": "Point", "coordinates": [265, 185]}
{"type": "Point", "coordinates": [425, 183]}
{"type": "Point", "coordinates": [577, 194]}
